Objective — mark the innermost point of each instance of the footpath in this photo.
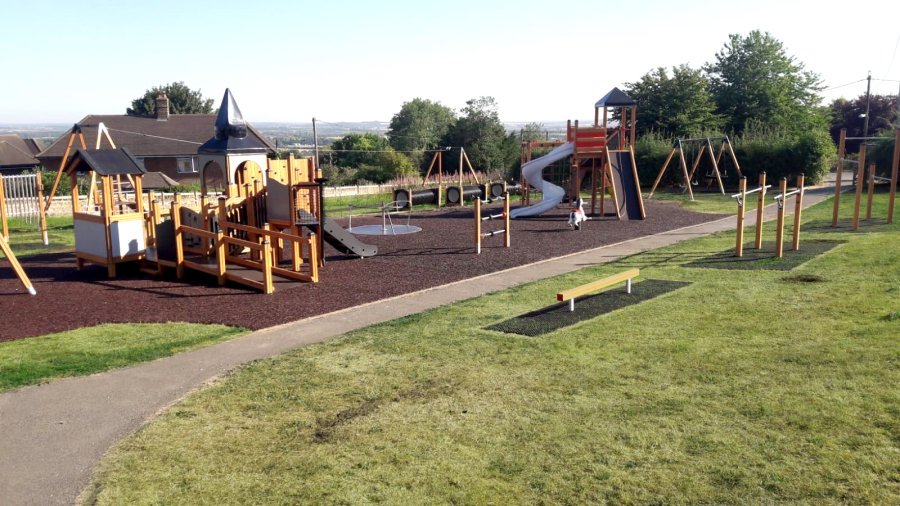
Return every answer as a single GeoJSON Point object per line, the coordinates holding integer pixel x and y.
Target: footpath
{"type": "Point", "coordinates": [53, 435]}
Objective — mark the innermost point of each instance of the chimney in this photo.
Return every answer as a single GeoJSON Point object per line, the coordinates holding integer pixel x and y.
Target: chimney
{"type": "Point", "coordinates": [162, 107]}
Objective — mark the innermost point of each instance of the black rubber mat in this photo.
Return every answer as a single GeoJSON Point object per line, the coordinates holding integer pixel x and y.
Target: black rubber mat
{"type": "Point", "coordinates": [557, 316]}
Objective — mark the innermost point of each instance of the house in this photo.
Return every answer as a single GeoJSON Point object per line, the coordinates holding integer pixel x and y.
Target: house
{"type": "Point", "coordinates": [18, 154]}
{"type": "Point", "coordinates": [166, 143]}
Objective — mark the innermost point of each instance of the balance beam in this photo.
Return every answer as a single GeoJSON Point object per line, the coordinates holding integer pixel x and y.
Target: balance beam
{"type": "Point", "coordinates": [571, 293]}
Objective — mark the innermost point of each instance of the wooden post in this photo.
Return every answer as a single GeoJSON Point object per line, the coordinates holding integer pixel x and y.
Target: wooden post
{"type": "Point", "coordinates": [870, 191]}
{"type": "Point", "coordinates": [221, 248]}
{"type": "Point", "coordinates": [894, 168]}
{"type": "Point", "coordinates": [17, 267]}
{"type": "Point", "coordinates": [508, 233]}
{"type": "Point", "coordinates": [860, 177]}
{"type": "Point", "coordinates": [715, 165]}
{"type": "Point", "coordinates": [477, 226]}
{"type": "Point", "coordinates": [42, 213]}
{"type": "Point", "coordinates": [313, 257]}
{"type": "Point", "coordinates": [462, 199]}
{"type": "Point", "coordinates": [4, 226]}
{"type": "Point", "coordinates": [837, 177]}
{"type": "Point", "coordinates": [440, 196]}
{"type": "Point", "coordinates": [662, 171]}
{"type": "Point", "coordinates": [684, 170]}
{"type": "Point", "coordinates": [760, 206]}
{"type": "Point", "coordinates": [179, 237]}
{"type": "Point", "coordinates": [268, 285]}
{"type": "Point", "coordinates": [739, 240]}
{"type": "Point", "coordinates": [107, 213]}
{"type": "Point", "coordinates": [779, 227]}
{"type": "Point", "coordinates": [798, 209]}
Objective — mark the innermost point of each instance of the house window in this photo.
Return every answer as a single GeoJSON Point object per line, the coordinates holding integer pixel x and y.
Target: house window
{"type": "Point", "coordinates": [187, 166]}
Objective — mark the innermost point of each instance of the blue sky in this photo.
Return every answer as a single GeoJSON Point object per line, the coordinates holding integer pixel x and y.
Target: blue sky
{"type": "Point", "coordinates": [354, 61]}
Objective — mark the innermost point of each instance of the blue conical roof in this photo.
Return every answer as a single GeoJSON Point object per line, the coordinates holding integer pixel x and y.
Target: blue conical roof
{"type": "Point", "coordinates": [615, 98]}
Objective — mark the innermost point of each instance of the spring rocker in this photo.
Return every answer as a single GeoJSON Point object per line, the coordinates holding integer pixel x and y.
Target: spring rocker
{"type": "Point", "coordinates": [479, 218]}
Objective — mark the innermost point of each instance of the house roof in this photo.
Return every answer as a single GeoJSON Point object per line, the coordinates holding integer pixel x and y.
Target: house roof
{"type": "Point", "coordinates": [15, 151]}
{"type": "Point", "coordinates": [232, 132]}
{"type": "Point", "coordinates": [615, 98]}
{"type": "Point", "coordinates": [106, 162]}
{"type": "Point", "coordinates": [179, 135]}
{"type": "Point", "coordinates": [157, 181]}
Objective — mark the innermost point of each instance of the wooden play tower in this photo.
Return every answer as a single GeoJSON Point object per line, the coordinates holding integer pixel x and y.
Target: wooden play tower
{"type": "Point", "coordinates": [605, 154]}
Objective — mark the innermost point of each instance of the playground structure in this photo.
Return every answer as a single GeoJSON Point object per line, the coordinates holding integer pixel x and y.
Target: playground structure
{"type": "Point", "coordinates": [4, 244]}
{"type": "Point", "coordinates": [387, 210]}
{"type": "Point", "coordinates": [266, 226]}
{"type": "Point", "coordinates": [706, 147]}
{"type": "Point", "coordinates": [861, 177]}
{"type": "Point", "coordinates": [780, 200]}
{"type": "Point", "coordinates": [570, 294]}
{"type": "Point", "coordinates": [603, 153]}
{"type": "Point", "coordinates": [479, 218]}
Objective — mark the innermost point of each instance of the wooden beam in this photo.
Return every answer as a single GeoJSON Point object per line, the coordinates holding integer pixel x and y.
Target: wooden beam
{"type": "Point", "coordinates": [837, 177]}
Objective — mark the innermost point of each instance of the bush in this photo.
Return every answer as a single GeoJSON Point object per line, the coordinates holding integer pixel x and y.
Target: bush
{"type": "Point", "coordinates": [811, 153]}
{"type": "Point", "coordinates": [759, 149]}
{"type": "Point", "coordinates": [650, 151]}
{"type": "Point", "coordinates": [881, 153]}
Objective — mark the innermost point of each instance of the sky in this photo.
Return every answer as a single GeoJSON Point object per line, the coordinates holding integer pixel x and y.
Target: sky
{"type": "Point", "coordinates": [341, 60]}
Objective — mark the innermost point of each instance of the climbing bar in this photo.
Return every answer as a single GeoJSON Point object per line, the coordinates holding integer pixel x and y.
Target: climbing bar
{"type": "Point", "coordinates": [505, 231]}
{"type": "Point", "coordinates": [748, 192]}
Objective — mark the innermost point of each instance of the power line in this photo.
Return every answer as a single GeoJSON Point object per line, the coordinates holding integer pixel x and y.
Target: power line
{"type": "Point", "coordinates": [844, 85]}
{"type": "Point", "coordinates": [154, 136]}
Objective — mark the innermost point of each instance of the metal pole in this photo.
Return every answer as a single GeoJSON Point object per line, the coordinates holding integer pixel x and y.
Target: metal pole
{"type": "Point", "coordinates": [315, 144]}
{"type": "Point", "coordinates": [868, 89]}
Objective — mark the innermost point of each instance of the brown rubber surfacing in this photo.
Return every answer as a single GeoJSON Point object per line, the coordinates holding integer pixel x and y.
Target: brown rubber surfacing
{"type": "Point", "coordinates": [442, 253]}
{"type": "Point", "coordinates": [557, 316]}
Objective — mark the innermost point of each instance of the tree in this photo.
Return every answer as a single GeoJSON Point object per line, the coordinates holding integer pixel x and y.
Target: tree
{"type": "Point", "coordinates": [850, 114]}
{"type": "Point", "coordinates": [420, 125]}
{"type": "Point", "coordinates": [351, 149]}
{"type": "Point", "coordinates": [677, 106]}
{"type": "Point", "coordinates": [754, 79]}
{"type": "Point", "coordinates": [182, 100]}
{"type": "Point", "coordinates": [532, 132]}
{"type": "Point", "coordinates": [374, 160]}
{"type": "Point", "coordinates": [481, 133]}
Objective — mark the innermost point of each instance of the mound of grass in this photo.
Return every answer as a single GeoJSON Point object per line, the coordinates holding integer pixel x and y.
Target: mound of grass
{"type": "Point", "coordinates": [95, 349]}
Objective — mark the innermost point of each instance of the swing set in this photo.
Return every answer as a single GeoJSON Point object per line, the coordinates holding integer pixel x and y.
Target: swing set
{"type": "Point", "coordinates": [707, 147]}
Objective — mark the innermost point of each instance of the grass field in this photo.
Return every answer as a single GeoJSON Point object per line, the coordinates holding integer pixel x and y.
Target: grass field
{"type": "Point", "coordinates": [745, 386]}
{"type": "Point", "coordinates": [95, 349]}
{"type": "Point", "coordinates": [25, 238]}
{"type": "Point", "coordinates": [707, 202]}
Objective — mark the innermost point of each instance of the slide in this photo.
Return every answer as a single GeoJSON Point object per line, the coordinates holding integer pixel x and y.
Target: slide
{"type": "Point", "coordinates": [345, 242]}
{"type": "Point", "coordinates": [628, 191]}
{"type": "Point", "coordinates": [553, 194]}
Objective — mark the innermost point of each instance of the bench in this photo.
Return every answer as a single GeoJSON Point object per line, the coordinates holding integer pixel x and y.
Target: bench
{"type": "Point", "coordinates": [571, 293]}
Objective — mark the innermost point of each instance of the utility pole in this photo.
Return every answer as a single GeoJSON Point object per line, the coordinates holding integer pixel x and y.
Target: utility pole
{"type": "Point", "coordinates": [315, 143]}
{"type": "Point", "coordinates": [866, 121]}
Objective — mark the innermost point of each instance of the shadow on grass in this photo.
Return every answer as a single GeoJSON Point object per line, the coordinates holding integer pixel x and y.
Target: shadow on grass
{"type": "Point", "coordinates": [765, 258]}
{"type": "Point", "coordinates": [557, 316]}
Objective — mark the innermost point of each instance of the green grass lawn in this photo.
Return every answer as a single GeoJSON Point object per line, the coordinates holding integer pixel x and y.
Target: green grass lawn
{"type": "Point", "coordinates": [94, 349]}
{"type": "Point", "coordinates": [709, 202]}
{"type": "Point", "coordinates": [753, 387]}
{"type": "Point", "coordinates": [25, 238]}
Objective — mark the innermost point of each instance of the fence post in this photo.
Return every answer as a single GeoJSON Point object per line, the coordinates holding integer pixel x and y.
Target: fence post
{"type": "Point", "coordinates": [798, 208]}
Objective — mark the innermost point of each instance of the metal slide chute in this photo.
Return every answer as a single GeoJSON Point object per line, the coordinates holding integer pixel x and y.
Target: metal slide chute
{"type": "Point", "coordinates": [532, 171]}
